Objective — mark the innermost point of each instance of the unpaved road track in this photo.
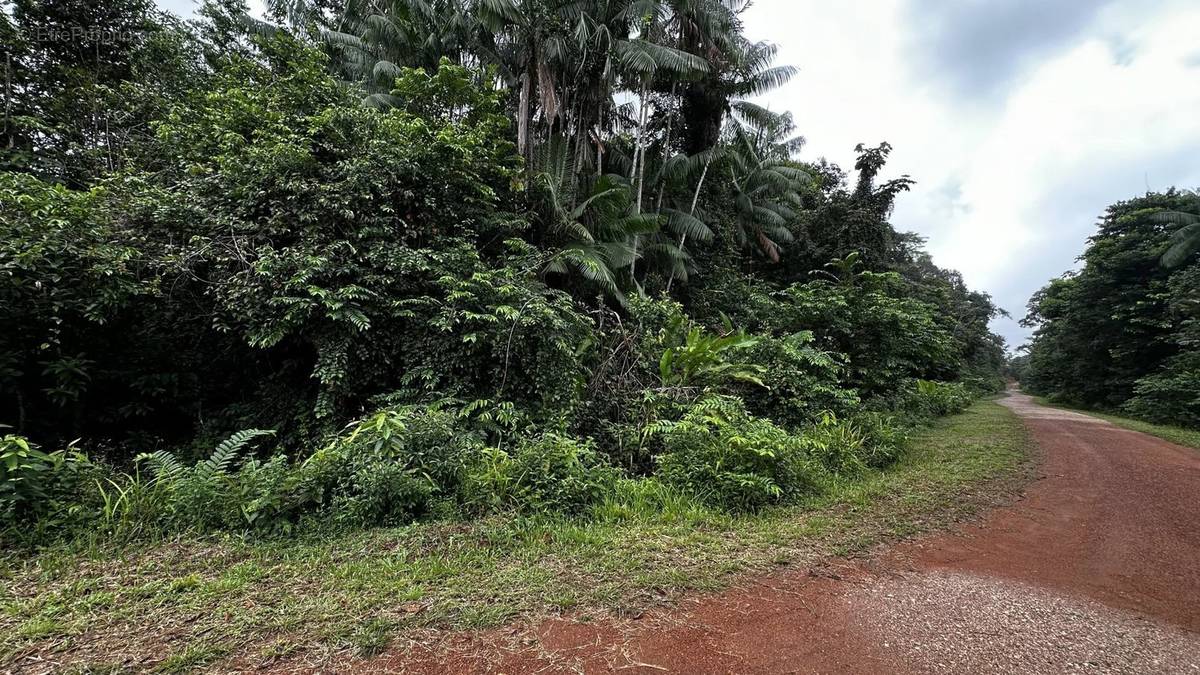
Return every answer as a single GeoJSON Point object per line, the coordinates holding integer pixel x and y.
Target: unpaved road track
{"type": "Point", "coordinates": [1096, 569]}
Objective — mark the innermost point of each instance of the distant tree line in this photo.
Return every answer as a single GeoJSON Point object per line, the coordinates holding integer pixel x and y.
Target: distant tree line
{"type": "Point", "coordinates": [1123, 332]}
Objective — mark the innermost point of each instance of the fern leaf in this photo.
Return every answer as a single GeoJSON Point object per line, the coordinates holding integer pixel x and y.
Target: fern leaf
{"type": "Point", "coordinates": [164, 466]}
{"type": "Point", "coordinates": [223, 456]}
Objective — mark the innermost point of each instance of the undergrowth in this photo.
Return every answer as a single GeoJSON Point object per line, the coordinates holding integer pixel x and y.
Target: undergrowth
{"type": "Point", "coordinates": [224, 599]}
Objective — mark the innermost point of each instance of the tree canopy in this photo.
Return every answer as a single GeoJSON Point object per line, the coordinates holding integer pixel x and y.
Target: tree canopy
{"type": "Point", "coordinates": [1122, 331]}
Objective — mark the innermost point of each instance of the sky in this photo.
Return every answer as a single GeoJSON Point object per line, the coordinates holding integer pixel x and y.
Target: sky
{"type": "Point", "coordinates": [1020, 120]}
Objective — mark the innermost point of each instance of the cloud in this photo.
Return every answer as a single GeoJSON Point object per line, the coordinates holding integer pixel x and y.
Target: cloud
{"type": "Point", "coordinates": [979, 47]}
{"type": "Point", "coordinates": [1021, 121]}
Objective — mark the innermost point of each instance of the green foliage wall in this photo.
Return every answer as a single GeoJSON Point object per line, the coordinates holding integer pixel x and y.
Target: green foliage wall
{"type": "Point", "coordinates": [333, 251]}
{"type": "Point", "coordinates": [1122, 330]}
{"type": "Point", "coordinates": [478, 292]}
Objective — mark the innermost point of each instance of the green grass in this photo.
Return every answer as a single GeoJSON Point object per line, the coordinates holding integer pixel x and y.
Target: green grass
{"type": "Point", "coordinates": [222, 603]}
{"type": "Point", "coordinates": [1178, 435]}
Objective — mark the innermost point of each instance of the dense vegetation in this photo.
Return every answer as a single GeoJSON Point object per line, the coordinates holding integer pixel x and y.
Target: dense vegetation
{"type": "Point", "coordinates": [1123, 332]}
{"type": "Point", "coordinates": [411, 260]}
{"type": "Point", "coordinates": [309, 600]}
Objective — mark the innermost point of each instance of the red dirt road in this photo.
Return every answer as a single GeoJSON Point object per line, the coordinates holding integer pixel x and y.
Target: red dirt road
{"type": "Point", "coordinates": [1096, 569]}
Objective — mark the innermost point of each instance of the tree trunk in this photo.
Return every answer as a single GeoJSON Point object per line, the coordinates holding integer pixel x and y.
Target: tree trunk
{"type": "Point", "coordinates": [599, 153]}
{"type": "Point", "coordinates": [666, 151]}
{"type": "Point", "coordinates": [523, 118]}
{"type": "Point", "coordinates": [695, 200]}
{"type": "Point", "coordinates": [639, 169]}
{"type": "Point", "coordinates": [9, 136]}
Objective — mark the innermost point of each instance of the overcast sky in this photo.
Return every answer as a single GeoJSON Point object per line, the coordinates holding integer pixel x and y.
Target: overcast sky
{"type": "Point", "coordinates": [1020, 119]}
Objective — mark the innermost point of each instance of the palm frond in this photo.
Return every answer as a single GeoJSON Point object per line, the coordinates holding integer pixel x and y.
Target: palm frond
{"type": "Point", "coordinates": [685, 224]}
{"type": "Point", "coordinates": [1184, 243]}
{"type": "Point", "coordinates": [1175, 217]}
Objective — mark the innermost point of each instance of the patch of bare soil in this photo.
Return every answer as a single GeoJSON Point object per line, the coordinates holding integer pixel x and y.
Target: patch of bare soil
{"type": "Point", "coordinates": [1095, 569]}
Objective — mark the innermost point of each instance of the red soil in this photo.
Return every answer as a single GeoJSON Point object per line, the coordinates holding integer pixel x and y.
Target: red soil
{"type": "Point", "coordinates": [1095, 569]}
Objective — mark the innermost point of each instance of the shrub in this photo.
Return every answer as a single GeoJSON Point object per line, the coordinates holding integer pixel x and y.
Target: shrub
{"type": "Point", "coordinates": [389, 465]}
{"type": "Point", "coordinates": [728, 458]}
{"type": "Point", "coordinates": [551, 473]}
{"type": "Point", "coordinates": [171, 497]}
{"type": "Point", "coordinates": [838, 445]}
{"type": "Point", "coordinates": [872, 318]}
{"type": "Point", "coordinates": [41, 487]}
{"type": "Point", "coordinates": [696, 357]}
{"type": "Point", "coordinates": [1170, 396]}
{"type": "Point", "coordinates": [206, 495]}
{"type": "Point", "coordinates": [380, 492]}
{"type": "Point", "coordinates": [935, 399]}
{"type": "Point", "coordinates": [262, 492]}
{"type": "Point", "coordinates": [848, 446]}
{"type": "Point", "coordinates": [884, 438]}
{"type": "Point", "coordinates": [801, 380]}
{"type": "Point", "coordinates": [557, 473]}
{"type": "Point", "coordinates": [984, 385]}
{"type": "Point", "coordinates": [686, 354]}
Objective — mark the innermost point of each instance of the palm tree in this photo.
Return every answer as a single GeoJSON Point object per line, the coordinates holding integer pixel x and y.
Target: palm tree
{"type": "Point", "coordinates": [371, 40]}
{"type": "Point", "coordinates": [1186, 240]}
{"type": "Point", "coordinates": [759, 149]}
{"type": "Point", "coordinates": [766, 184]}
{"type": "Point", "coordinates": [744, 71]}
{"type": "Point", "coordinates": [567, 60]}
{"type": "Point", "coordinates": [594, 238]}
{"type": "Point", "coordinates": [749, 72]}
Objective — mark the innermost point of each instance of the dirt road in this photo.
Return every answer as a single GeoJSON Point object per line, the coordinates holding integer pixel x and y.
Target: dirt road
{"type": "Point", "coordinates": [1095, 569]}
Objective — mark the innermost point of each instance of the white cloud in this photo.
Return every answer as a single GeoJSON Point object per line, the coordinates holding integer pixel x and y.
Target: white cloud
{"type": "Point", "coordinates": [1009, 186]}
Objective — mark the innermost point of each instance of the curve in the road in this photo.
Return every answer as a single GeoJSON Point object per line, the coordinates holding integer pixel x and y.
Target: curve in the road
{"type": "Point", "coordinates": [1095, 569]}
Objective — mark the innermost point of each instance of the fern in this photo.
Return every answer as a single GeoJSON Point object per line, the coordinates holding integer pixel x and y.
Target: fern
{"type": "Point", "coordinates": [223, 456]}
{"type": "Point", "coordinates": [164, 466]}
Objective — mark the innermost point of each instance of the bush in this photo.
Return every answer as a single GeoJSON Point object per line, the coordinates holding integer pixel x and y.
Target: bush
{"type": "Point", "coordinates": [264, 493]}
{"type": "Point", "coordinates": [839, 446]}
{"type": "Point", "coordinates": [205, 496]}
{"type": "Point", "coordinates": [617, 401]}
{"type": "Point", "coordinates": [886, 334]}
{"type": "Point", "coordinates": [388, 466]}
{"type": "Point", "coordinates": [40, 487]}
{"type": "Point", "coordinates": [551, 473]}
{"type": "Point", "coordinates": [801, 380]}
{"type": "Point", "coordinates": [847, 447]}
{"type": "Point", "coordinates": [695, 357]}
{"type": "Point", "coordinates": [885, 438]}
{"type": "Point", "coordinates": [380, 492]}
{"type": "Point", "coordinates": [1170, 396]}
{"type": "Point", "coordinates": [935, 399]}
{"type": "Point", "coordinates": [984, 385]}
{"type": "Point", "coordinates": [728, 458]}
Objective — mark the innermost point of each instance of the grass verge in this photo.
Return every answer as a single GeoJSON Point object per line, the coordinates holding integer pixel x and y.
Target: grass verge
{"type": "Point", "coordinates": [193, 603]}
{"type": "Point", "coordinates": [1178, 435]}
